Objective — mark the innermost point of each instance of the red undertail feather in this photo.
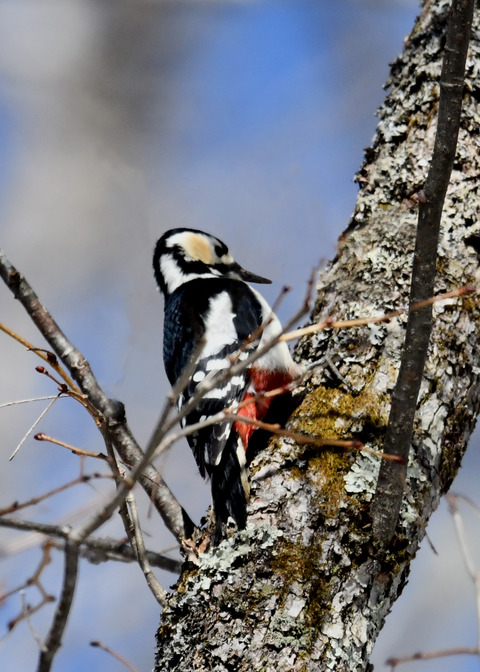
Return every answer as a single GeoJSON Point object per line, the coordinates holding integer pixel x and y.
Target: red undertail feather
{"type": "Point", "coordinates": [260, 381]}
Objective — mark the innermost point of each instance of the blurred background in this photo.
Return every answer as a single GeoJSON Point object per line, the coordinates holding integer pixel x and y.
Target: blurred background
{"type": "Point", "coordinates": [118, 121]}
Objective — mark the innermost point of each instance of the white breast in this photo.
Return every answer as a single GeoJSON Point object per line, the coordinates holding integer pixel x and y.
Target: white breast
{"type": "Point", "coordinates": [277, 358]}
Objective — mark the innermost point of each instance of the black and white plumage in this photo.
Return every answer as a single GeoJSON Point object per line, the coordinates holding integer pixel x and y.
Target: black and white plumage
{"type": "Point", "coordinates": [207, 297]}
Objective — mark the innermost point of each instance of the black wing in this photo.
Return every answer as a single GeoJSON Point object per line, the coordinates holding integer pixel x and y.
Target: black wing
{"type": "Point", "coordinates": [226, 312]}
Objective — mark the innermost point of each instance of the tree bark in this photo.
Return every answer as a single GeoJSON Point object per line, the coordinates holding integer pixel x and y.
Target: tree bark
{"type": "Point", "coordinates": [304, 587]}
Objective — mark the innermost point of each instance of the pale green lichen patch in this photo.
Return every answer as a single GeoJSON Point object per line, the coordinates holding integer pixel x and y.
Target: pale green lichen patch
{"type": "Point", "coordinates": [238, 546]}
{"type": "Point", "coordinates": [363, 475]}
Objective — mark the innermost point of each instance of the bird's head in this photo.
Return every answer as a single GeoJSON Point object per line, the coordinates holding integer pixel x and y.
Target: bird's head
{"type": "Point", "coordinates": [182, 255]}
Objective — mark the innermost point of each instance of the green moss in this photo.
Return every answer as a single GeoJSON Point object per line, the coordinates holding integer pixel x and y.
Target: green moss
{"type": "Point", "coordinates": [267, 590]}
{"type": "Point", "coordinates": [328, 413]}
{"type": "Point", "coordinates": [286, 631]}
{"type": "Point", "coordinates": [332, 413]}
{"type": "Point", "coordinates": [295, 562]}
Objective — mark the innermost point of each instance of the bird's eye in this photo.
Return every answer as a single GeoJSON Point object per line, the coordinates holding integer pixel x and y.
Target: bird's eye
{"type": "Point", "coordinates": [219, 251]}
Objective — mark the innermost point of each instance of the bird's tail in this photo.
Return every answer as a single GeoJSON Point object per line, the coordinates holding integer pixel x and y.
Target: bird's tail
{"type": "Point", "coordinates": [230, 489]}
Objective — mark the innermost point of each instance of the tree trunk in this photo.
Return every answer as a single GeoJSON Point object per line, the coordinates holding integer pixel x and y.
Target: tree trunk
{"type": "Point", "coordinates": [304, 587]}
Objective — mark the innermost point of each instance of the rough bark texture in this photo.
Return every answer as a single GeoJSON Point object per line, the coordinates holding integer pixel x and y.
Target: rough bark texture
{"type": "Point", "coordinates": [303, 587]}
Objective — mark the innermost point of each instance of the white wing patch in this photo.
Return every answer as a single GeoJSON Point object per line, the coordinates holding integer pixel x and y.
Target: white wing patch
{"type": "Point", "coordinates": [219, 328]}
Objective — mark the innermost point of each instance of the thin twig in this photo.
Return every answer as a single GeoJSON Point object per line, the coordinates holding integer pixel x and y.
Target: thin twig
{"type": "Point", "coordinates": [330, 323]}
{"type": "Point", "coordinates": [473, 572]}
{"type": "Point", "coordinates": [77, 451]}
{"type": "Point", "coordinates": [468, 500]}
{"type": "Point", "coordinates": [97, 549]}
{"type": "Point", "coordinates": [44, 412]}
{"type": "Point", "coordinates": [34, 580]}
{"type": "Point", "coordinates": [28, 401]}
{"type": "Point", "coordinates": [27, 612]}
{"type": "Point", "coordinates": [390, 485]}
{"type": "Point", "coordinates": [457, 651]}
{"type": "Point", "coordinates": [16, 506]}
{"type": "Point", "coordinates": [131, 523]}
{"type": "Point", "coordinates": [46, 355]}
{"type": "Point", "coordinates": [174, 516]}
{"type": "Point", "coordinates": [62, 612]}
{"type": "Point", "coordinates": [152, 581]}
{"type": "Point", "coordinates": [116, 655]}
{"type": "Point", "coordinates": [308, 439]}
{"type": "Point", "coordinates": [230, 415]}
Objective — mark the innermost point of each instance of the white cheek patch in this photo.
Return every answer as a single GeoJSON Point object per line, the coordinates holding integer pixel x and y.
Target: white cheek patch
{"type": "Point", "coordinates": [173, 275]}
{"type": "Point", "coordinates": [171, 272]}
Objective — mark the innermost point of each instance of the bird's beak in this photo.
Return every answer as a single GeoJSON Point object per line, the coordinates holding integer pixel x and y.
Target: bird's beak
{"type": "Point", "coordinates": [250, 277]}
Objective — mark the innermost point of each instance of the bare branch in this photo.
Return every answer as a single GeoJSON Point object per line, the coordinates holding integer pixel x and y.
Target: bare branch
{"type": "Point", "coordinates": [311, 440]}
{"type": "Point", "coordinates": [331, 323]}
{"type": "Point", "coordinates": [99, 549]}
{"type": "Point", "coordinates": [27, 610]}
{"type": "Point", "coordinates": [473, 572]}
{"type": "Point", "coordinates": [77, 451]}
{"type": "Point", "coordinates": [131, 523]}
{"type": "Point", "coordinates": [27, 434]}
{"type": "Point", "coordinates": [157, 590]}
{"type": "Point", "coordinates": [174, 516]}
{"type": "Point", "coordinates": [458, 651]}
{"type": "Point", "coordinates": [28, 401]}
{"type": "Point", "coordinates": [116, 655]}
{"type": "Point", "coordinates": [95, 549]}
{"type": "Point", "coordinates": [16, 506]}
{"type": "Point", "coordinates": [390, 486]}
{"type": "Point", "coordinates": [46, 355]}
{"type": "Point", "coordinates": [54, 638]}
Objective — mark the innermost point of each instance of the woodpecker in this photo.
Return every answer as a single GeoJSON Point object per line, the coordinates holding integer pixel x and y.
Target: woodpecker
{"type": "Point", "coordinates": [213, 315]}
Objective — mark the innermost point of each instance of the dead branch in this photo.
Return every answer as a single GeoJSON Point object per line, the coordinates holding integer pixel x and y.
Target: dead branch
{"type": "Point", "coordinates": [35, 580]}
{"type": "Point", "coordinates": [84, 478]}
{"type": "Point", "coordinates": [77, 451]}
{"type": "Point", "coordinates": [390, 485]}
{"type": "Point", "coordinates": [139, 548]}
{"type": "Point", "coordinates": [115, 655]}
{"type": "Point", "coordinates": [458, 651]}
{"type": "Point", "coordinates": [174, 516]}
{"type": "Point", "coordinates": [95, 549]}
{"type": "Point", "coordinates": [27, 434]}
{"type": "Point", "coordinates": [46, 355]}
{"type": "Point", "coordinates": [473, 572]}
{"type": "Point", "coordinates": [54, 638]}
{"type": "Point", "coordinates": [331, 323]}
